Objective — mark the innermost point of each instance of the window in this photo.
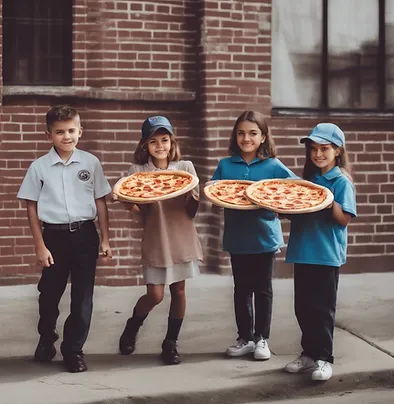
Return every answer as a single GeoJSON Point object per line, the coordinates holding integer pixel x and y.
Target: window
{"type": "Point", "coordinates": [37, 42]}
{"type": "Point", "coordinates": [333, 54]}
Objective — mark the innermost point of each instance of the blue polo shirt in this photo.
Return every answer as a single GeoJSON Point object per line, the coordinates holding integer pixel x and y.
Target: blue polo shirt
{"type": "Point", "coordinates": [316, 238]}
{"type": "Point", "coordinates": [251, 231]}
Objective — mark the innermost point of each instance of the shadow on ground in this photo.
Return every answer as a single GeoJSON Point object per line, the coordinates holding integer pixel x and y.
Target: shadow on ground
{"type": "Point", "coordinates": [23, 368]}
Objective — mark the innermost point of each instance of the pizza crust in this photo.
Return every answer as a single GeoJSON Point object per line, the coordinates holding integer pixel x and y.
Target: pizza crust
{"type": "Point", "coordinates": [328, 200]}
{"type": "Point", "coordinates": [139, 200]}
{"type": "Point", "coordinates": [223, 204]}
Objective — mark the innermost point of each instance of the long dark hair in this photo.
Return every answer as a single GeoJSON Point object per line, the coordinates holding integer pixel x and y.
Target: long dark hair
{"type": "Point", "coordinates": [141, 154]}
{"type": "Point", "coordinates": [267, 149]}
{"type": "Point", "coordinates": [342, 161]}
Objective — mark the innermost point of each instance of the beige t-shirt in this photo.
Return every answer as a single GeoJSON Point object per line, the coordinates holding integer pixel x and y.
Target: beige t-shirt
{"type": "Point", "coordinates": [169, 235]}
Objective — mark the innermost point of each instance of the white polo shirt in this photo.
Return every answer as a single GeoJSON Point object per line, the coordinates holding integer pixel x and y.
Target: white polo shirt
{"type": "Point", "coordinates": [65, 192]}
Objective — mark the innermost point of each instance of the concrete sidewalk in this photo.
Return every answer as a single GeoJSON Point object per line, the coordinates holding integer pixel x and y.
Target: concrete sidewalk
{"type": "Point", "coordinates": [364, 348]}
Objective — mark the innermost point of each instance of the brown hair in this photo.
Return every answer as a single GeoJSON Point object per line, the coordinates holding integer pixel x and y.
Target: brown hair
{"type": "Point", "coordinates": [267, 148]}
{"type": "Point", "coordinates": [141, 154]}
{"type": "Point", "coordinates": [342, 161]}
{"type": "Point", "coordinates": [60, 113]}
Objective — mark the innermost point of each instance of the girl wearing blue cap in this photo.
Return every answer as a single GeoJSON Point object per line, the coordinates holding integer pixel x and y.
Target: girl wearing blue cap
{"type": "Point", "coordinates": [317, 247]}
{"type": "Point", "coordinates": [170, 246]}
{"type": "Point", "coordinates": [252, 237]}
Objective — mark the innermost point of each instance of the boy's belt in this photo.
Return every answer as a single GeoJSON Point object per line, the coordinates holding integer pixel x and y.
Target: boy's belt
{"type": "Point", "coordinates": [73, 226]}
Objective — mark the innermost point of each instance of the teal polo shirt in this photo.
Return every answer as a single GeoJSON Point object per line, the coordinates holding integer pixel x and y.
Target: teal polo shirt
{"type": "Point", "coordinates": [251, 231]}
{"type": "Point", "coordinates": [316, 238]}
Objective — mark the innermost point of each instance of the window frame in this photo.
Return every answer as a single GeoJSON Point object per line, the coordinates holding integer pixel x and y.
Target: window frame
{"type": "Point", "coordinates": [381, 72]}
{"type": "Point", "coordinates": [66, 59]}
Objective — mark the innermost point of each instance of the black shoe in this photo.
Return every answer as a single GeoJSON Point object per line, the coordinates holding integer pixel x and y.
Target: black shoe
{"type": "Point", "coordinates": [46, 350]}
{"type": "Point", "coordinates": [170, 355]}
{"type": "Point", "coordinates": [129, 337]}
{"type": "Point", "coordinates": [74, 363]}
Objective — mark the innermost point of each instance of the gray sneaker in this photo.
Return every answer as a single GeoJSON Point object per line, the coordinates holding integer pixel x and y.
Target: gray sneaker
{"type": "Point", "coordinates": [241, 348]}
{"type": "Point", "coordinates": [303, 364]}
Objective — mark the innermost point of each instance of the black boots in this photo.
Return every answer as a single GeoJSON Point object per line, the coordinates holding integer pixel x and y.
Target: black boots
{"type": "Point", "coordinates": [75, 363]}
{"type": "Point", "coordinates": [129, 336]}
{"type": "Point", "coordinates": [170, 355]}
{"type": "Point", "coordinates": [46, 350]}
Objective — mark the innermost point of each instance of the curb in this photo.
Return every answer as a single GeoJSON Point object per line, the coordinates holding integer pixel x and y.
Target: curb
{"type": "Point", "coordinates": [268, 388]}
{"type": "Point", "coordinates": [365, 339]}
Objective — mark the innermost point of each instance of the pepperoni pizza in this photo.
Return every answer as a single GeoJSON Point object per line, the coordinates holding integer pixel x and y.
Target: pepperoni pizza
{"type": "Point", "coordinates": [289, 195]}
{"type": "Point", "coordinates": [229, 194]}
{"type": "Point", "coordinates": [152, 186]}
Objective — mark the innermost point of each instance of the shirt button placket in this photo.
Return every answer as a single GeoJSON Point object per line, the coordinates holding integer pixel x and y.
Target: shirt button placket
{"type": "Point", "coordinates": [65, 190]}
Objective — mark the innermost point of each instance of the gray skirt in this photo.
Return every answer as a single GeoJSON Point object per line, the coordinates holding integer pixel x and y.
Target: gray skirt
{"type": "Point", "coordinates": [169, 275]}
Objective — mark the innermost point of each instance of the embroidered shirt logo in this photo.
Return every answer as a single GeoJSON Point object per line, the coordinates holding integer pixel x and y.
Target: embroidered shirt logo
{"type": "Point", "coordinates": [84, 175]}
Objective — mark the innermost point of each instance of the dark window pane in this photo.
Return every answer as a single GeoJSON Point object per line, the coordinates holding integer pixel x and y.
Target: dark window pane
{"type": "Point", "coordinates": [353, 44]}
{"type": "Point", "coordinates": [37, 38]}
{"type": "Point", "coordinates": [296, 53]}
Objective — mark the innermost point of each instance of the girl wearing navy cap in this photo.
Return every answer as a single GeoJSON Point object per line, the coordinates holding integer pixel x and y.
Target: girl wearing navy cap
{"type": "Point", "coordinates": [170, 246]}
{"type": "Point", "coordinates": [317, 247]}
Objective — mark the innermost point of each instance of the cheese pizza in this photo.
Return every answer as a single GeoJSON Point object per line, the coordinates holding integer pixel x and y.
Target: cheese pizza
{"type": "Point", "coordinates": [229, 194]}
{"type": "Point", "coordinates": [152, 186]}
{"type": "Point", "coordinates": [289, 196]}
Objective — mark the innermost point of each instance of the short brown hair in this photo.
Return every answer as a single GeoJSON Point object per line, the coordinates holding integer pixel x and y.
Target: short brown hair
{"type": "Point", "coordinates": [141, 154]}
{"type": "Point", "coordinates": [266, 149]}
{"type": "Point", "coordinates": [60, 113]}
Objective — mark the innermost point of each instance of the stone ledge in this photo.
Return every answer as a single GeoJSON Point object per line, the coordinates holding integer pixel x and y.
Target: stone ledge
{"type": "Point", "coordinates": [104, 93]}
{"type": "Point", "coordinates": [345, 113]}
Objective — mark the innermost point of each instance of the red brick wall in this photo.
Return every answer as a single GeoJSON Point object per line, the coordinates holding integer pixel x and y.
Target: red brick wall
{"type": "Point", "coordinates": [234, 54]}
{"type": "Point", "coordinates": [1, 52]}
{"type": "Point", "coordinates": [135, 44]}
{"type": "Point", "coordinates": [201, 63]}
{"type": "Point", "coordinates": [111, 132]}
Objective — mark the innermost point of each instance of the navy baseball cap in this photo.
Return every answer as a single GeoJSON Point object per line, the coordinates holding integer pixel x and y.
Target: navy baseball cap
{"type": "Point", "coordinates": [152, 124]}
{"type": "Point", "coordinates": [326, 133]}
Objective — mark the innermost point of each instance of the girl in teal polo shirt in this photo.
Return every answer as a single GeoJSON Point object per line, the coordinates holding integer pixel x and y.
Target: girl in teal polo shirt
{"type": "Point", "coordinates": [252, 237]}
{"type": "Point", "coordinates": [317, 247]}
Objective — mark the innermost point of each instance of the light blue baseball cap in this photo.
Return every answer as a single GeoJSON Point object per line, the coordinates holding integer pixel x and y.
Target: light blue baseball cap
{"type": "Point", "coordinates": [326, 133]}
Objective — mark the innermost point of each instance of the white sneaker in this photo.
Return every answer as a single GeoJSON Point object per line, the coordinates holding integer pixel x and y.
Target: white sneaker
{"type": "Point", "coordinates": [300, 365]}
{"type": "Point", "coordinates": [261, 351]}
{"type": "Point", "coordinates": [323, 371]}
{"type": "Point", "coordinates": [241, 348]}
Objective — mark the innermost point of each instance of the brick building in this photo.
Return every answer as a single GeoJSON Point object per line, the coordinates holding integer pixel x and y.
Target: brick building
{"type": "Point", "coordinates": [200, 63]}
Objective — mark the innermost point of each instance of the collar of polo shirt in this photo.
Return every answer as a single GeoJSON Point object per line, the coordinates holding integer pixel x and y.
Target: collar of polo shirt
{"type": "Point", "coordinates": [171, 165]}
{"type": "Point", "coordinates": [333, 173]}
{"type": "Point", "coordinates": [55, 158]}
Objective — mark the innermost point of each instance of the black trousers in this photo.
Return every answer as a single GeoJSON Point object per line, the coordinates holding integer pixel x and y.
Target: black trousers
{"type": "Point", "coordinates": [315, 294]}
{"type": "Point", "coordinates": [253, 279]}
{"type": "Point", "coordinates": [75, 255]}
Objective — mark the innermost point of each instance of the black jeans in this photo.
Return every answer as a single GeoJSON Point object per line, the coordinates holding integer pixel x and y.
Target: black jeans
{"type": "Point", "coordinates": [75, 254]}
{"type": "Point", "coordinates": [253, 278]}
{"type": "Point", "coordinates": [315, 293]}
